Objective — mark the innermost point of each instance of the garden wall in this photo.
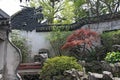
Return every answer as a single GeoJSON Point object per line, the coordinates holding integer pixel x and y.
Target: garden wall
{"type": "Point", "coordinates": [37, 41]}
{"type": "Point", "coordinates": [104, 26]}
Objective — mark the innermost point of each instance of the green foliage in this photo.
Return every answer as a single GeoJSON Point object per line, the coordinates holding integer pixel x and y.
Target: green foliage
{"type": "Point", "coordinates": [20, 42]}
{"type": "Point", "coordinates": [48, 9]}
{"type": "Point", "coordinates": [57, 11]}
{"type": "Point", "coordinates": [57, 39]}
{"type": "Point", "coordinates": [86, 8]}
{"type": "Point", "coordinates": [57, 65]}
{"type": "Point", "coordinates": [79, 11]}
{"type": "Point", "coordinates": [109, 39]}
{"type": "Point", "coordinates": [65, 12]}
{"type": "Point", "coordinates": [113, 57]}
{"type": "Point", "coordinates": [68, 12]}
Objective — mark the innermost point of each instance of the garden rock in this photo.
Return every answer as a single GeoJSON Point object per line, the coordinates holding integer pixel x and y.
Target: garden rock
{"type": "Point", "coordinates": [74, 73]}
{"type": "Point", "coordinates": [116, 78]}
{"type": "Point", "coordinates": [97, 66]}
{"type": "Point", "coordinates": [105, 66]}
{"type": "Point", "coordinates": [104, 76]}
{"type": "Point", "coordinates": [116, 47]}
{"type": "Point", "coordinates": [117, 66]}
{"type": "Point", "coordinates": [94, 76]}
{"type": "Point", "coordinates": [107, 75]}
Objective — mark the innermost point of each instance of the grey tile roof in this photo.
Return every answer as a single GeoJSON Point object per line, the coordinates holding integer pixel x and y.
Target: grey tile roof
{"type": "Point", "coordinates": [3, 14]}
{"type": "Point", "coordinates": [27, 19]}
{"type": "Point", "coordinates": [4, 18]}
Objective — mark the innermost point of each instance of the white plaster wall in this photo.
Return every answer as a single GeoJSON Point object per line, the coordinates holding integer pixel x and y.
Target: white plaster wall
{"type": "Point", "coordinates": [2, 47]}
{"type": "Point", "coordinates": [37, 40]}
{"type": "Point", "coordinates": [103, 26]}
{"type": "Point", "coordinates": [13, 59]}
{"type": "Point", "coordinates": [1, 54]}
{"type": "Point", "coordinates": [9, 60]}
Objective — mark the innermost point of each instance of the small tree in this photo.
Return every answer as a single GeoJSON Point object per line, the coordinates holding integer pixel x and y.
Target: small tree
{"type": "Point", "coordinates": [56, 11]}
{"type": "Point", "coordinates": [57, 39]}
{"type": "Point", "coordinates": [81, 40]}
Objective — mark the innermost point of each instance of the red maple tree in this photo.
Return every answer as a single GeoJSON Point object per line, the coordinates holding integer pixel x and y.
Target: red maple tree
{"type": "Point", "coordinates": [84, 37]}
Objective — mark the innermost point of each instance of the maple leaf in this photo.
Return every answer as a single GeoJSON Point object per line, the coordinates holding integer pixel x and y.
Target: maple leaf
{"type": "Point", "coordinates": [79, 37]}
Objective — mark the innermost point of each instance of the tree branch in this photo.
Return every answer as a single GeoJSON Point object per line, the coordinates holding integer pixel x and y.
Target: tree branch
{"type": "Point", "coordinates": [118, 4]}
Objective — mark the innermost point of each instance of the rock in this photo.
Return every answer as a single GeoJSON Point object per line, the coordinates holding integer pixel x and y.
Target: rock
{"type": "Point", "coordinates": [116, 47]}
{"type": "Point", "coordinates": [117, 66]}
{"type": "Point", "coordinates": [74, 74]}
{"type": "Point", "coordinates": [107, 75]}
{"type": "Point", "coordinates": [83, 63]}
{"type": "Point", "coordinates": [83, 78]}
{"type": "Point", "coordinates": [116, 78]}
{"type": "Point", "coordinates": [94, 76]}
{"type": "Point", "coordinates": [106, 66]}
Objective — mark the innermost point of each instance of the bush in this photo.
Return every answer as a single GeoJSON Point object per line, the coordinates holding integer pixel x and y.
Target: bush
{"type": "Point", "coordinates": [56, 67]}
{"type": "Point", "coordinates": [113, 57]}
{"type": "Point", "coordinates": [57, 39]}
{"type": "Point", "coordinates": [109, 39]}
{"type": "Point", "coordinates": [20, 42]}
{"type": "Point", "coordinates": [81, 44]}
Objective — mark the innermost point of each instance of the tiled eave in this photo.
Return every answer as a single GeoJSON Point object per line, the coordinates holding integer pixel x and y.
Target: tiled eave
{"type": "Point", "coordinates": [46, 28]}
{"type": "Point", "coordinates": [4, 27]}
{"type": "Point", "coordinates": [4, 18]}
{"type": "Point", "coordinates": [4, 22]}
{"type": "Point", "coordinates": [80, 23]}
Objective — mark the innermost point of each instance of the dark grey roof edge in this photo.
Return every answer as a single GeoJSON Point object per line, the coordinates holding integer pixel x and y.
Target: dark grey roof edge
{"type": "Point", "coordinates": [81, 22]}
{"type": "Point", "coordinates": [12, 16]}
{"type": "Point", "coordinates": [4, 19]}
{"type": "Point", "coordinates": [4, 14]}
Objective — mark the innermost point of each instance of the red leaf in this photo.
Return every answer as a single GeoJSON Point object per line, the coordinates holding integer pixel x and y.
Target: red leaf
{"type": "Point", "coordinates": [79, 37]}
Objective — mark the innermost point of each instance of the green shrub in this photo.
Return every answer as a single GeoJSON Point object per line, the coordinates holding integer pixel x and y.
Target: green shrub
{"type": "Point", "coordinates": [57, 38]}
{"type": "Point", "coordinates": [113, 57]}
{"type": "Point", "coordinates": [20, 42]}
{"type": "Point", "coordinates": [57, 65]}
{"type": "Point", "coordinates": [109, 39]}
